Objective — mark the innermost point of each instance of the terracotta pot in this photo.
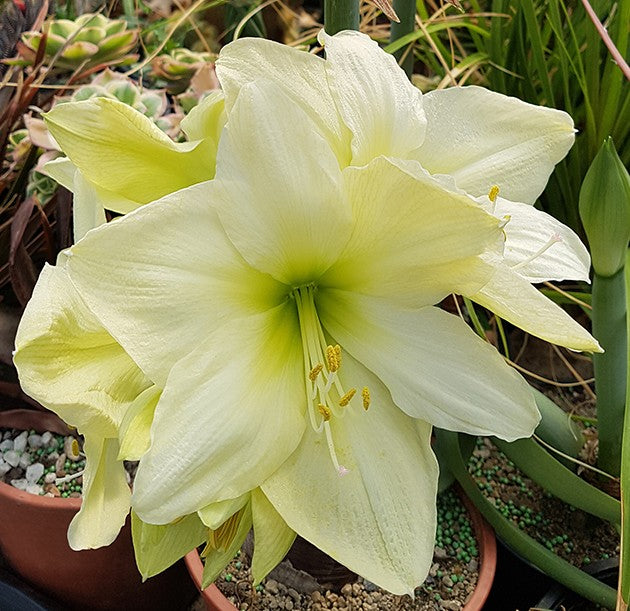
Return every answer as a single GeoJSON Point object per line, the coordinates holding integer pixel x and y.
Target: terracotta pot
{"type": "Point", "coordinates": [215, 601]}
{"type": "Point", "coordinates": [34, 544]}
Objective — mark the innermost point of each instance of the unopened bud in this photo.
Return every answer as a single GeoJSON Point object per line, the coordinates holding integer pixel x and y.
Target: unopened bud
{"type": "Point", "coordinates": [605, 210]}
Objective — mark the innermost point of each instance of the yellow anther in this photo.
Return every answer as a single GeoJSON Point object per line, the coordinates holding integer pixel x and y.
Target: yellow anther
{"type": "Point", "coordinates": [347, 397]}
{"type": "Point", "coordinates": [325, 412]}
{"type": "Point", "coordinates": [333, 358]}
{"type": "Point", "coordinates": [493, 194]}
{"type": "Point", "coordinates": [315, 372]}
{"type": "Point", "coordinates": [337, 348]}
{"type": "Point", "coordinates": [365, 394]}
{"type": "Point", "coordinates": [221, 538]}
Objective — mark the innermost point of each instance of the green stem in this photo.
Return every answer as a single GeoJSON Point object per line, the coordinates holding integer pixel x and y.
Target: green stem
{"type": "Point", "coordinates": [609, 327]}
{"type": "Point", "coordinates": [624, 561]}
{"type": "Point", "coordinates": [406, 11]}
{"type": "Point", "coordinates": [341, 15]}
{"type": "Point", "coordinates": [516, 539]}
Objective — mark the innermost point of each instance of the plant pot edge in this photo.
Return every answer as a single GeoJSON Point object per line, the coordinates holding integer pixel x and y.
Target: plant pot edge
{"type": "Point", "coordinates": [215, 601]}
{"type": "Point", "coordinates": [60, 510]}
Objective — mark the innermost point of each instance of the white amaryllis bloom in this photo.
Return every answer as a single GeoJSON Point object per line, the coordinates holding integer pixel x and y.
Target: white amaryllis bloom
{"type": "Point", "coordinates": [258, 276]}
{"type": "Point", "coordinates": [472, 139]}
{"type": "Point", "coordinates": [281, 316]}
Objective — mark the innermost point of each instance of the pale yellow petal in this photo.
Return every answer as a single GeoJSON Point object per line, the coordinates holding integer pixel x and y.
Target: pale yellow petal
{"type": "Point", "coordinates": [106, 496]}
{"type": "Point", "coordinates": [272, 537]}
{"type": "Point", "coordinates": [514, 299]}
{"type": "Point", "coordinates": [120, 150]}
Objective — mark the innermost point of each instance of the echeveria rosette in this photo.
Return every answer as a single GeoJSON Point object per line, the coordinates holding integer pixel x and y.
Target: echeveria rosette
{"type": "Point", "coordinates": [260, 273]}
{"type": "Point", "coordinates": [118, 159]}
{"type": "Point", "coordinates": [470, 138]}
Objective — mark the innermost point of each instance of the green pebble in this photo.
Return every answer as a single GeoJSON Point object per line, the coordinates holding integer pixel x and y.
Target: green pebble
{"type": "Point", "coordinates": [228, 577]}
{"type": "Point", "coordinates": [586, 560]}
{"type": "Point", "coordinates": [238, 565]}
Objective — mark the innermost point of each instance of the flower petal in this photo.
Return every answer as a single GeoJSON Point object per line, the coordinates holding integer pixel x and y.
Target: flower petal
{"type": "Point", "coordinates": [231, 412]}
{"type": "Point", "coordinates": [514, 299]}
{"type": "Point", "coordinates": [379, 519]}
{"type": "Point", "coordinates": [528, 232]}
{"type": "Point", "coordinates": [413, 240]}
{"type": "Point", "coordinates": [217, 558]}
{"type": "Point", "coordinates": [106, 496]}
{"type": "Point", "coordinates": [87, 210]}
{"type": "Point", "coordinates": [281, 200]}
{"type": "Point", "coordinates": [69, 363]}
{"type": "Point", "coordinates": [301, 75]}
{"type": "Point", "coordinates": [375, 98]}
{"type": "Point", "coordinates": [176, 278]}
{"type": "Point", "coordinates": [122, 151]}
{"type": "Point", "coordinates": [483, 138]}
{"type": "Point", "coordinates": [272, 537]}
{"type": "Point", "coordinates": [63, 171]}
{"type": "Point", "coordinates": [215, 514]}
{"type": "Point", "coordinates": [433, 364]}
{"type": "Point", "coordinates": [135, 429]}
{"type": "Point", "coordinates": [158, 547]}
{"type": "Point", "coordinates": [207, 119]}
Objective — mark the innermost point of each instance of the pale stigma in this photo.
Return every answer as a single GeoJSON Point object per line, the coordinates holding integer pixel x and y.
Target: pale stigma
{"type": "Point", "coordinates": [554, 239]}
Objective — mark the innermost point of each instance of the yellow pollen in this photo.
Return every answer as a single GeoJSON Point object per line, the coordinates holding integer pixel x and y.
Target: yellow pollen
{"type": "Point", "coordinates": [494, 192]}
{"type": "Point", "coordinates": [324, 411]}
{"type": "Point", "coordinates": [347, 397]}
{"type": "Point", "coordinates": [333, 358]}
{"type": "Point", "coordinates": [365, 394]}
{"type": "Point", "coordinates": [315, 372]}
{"type": "Point", "coordinates": [221, 538]}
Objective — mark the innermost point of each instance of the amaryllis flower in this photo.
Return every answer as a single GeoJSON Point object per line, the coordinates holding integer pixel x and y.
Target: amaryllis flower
{"type": "Point", "coordinates": [472, 139]}
{"type": "Point", "coordinates": [283, 314]}
{"type": "Point", "coordinates": [286, 309]}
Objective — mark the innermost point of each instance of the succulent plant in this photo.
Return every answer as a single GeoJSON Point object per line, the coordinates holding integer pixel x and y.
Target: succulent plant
{"type": "Point", "coordinates": [179, 66]}
{"type": "Point", "coordinates": [89, 40]}
{"type": "Point", "coordinates": [18, 147]}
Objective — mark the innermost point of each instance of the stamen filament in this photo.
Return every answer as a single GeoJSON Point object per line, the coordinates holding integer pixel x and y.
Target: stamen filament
{"type": "Point", "coordinates": [554, 239]}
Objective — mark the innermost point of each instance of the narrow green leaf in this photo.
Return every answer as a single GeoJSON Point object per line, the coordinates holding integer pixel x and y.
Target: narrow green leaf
{"type": "Point", "coordinates": [545, 470]}
{"type": "Point", "coordinates": [557, 568]}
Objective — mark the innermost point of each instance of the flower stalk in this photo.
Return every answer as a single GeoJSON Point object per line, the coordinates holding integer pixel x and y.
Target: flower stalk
{"type": "Point", "coordinates": [341, 15]}
{"type": "Point", "coordinates": [406, 11]}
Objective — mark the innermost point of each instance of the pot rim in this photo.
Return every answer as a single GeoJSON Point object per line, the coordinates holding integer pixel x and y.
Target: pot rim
{"type": "Point", "coordinates": [216, 601]}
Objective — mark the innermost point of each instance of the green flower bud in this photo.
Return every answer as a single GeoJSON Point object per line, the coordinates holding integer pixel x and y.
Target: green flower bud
{"type": "Point", "coordinates": [605, 210]}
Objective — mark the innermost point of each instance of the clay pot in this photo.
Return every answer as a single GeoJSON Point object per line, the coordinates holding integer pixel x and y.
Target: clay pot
{"type": "Point", "coordinates": [215, 601]}
{"type": "Point", "coordinates": [34, 544]}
